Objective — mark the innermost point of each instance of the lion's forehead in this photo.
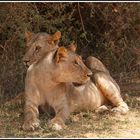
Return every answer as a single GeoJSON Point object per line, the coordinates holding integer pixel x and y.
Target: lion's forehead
{"type": "Point", "coordinates": [74, 56]}
{"type": "Point", "coordinates": [38, 39]}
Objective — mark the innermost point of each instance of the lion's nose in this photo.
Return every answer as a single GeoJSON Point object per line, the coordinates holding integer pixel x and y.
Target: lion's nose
{"type": "Point", "coordinates": [26, 61]}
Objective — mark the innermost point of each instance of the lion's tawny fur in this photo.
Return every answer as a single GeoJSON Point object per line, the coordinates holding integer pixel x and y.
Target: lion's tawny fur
{"type": "Point", "coordinates": [53, 83]}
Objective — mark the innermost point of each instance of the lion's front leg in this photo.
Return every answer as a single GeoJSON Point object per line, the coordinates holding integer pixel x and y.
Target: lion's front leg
{"type": "Point", "coordinates": [107, 84]}
{"type": "Point", "coordinates": [62, 113]}
{"type": "Point", "coordinates": [31, 114]}
{"type": "Point", "coordinates": [108, 87]}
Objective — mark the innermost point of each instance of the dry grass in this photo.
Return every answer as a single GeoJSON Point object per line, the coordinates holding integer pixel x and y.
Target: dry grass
{"type": "Point", "coordinates": [80, 125]}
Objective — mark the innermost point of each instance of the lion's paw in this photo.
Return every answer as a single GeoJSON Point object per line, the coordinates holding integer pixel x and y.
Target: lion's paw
{"type": "Point", "coordinates": [31, 125]}
{"type": "Point", "coordinates": [56, 125]}
{"type": "Point", "coordinates": [101, 109]}
{"type": "Point", "coordinates": [121, 109]}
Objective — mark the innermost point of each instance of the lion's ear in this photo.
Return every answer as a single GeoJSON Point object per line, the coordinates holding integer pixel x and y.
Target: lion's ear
{"type": "Point", "coordinates": [55, 37]}
{"type": "Point", "coordinates": [61, 54]}
{"type": "Point", "coordinates": [73, 47]}
{"type": "Point", "coordinates": [28, 35]}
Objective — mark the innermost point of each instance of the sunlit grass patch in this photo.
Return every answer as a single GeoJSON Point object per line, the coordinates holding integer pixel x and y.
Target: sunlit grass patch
{"type": "Point", "coordinates": [80, 125]}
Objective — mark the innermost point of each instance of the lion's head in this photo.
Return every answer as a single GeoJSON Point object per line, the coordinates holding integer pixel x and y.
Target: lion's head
{"type": "Point", "coordinates": [69, 67]}
{"type": "Point", "coordinates": [38, 44]}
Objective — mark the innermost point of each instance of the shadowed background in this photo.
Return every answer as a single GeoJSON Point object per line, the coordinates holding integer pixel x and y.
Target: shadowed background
{"type": "Point", "coordinates": [104, 30]}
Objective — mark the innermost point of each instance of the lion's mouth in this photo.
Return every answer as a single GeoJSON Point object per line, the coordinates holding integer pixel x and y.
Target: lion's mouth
{"type": "Point", "coordinates": [78, 84]}
{"type": "Point", "coordinates": [26, 64]}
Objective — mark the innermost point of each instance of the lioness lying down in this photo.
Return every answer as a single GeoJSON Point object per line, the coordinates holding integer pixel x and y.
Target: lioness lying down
{"type": "Point", "coordinates": [61, 80]}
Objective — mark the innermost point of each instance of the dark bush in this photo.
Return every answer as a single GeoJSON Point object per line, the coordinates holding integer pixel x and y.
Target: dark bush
{"type": "Point", "coordinates": [104, 30]}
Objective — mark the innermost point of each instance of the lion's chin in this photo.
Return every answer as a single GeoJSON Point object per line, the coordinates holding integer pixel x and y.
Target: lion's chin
{"type": "Point", "coordinates": [78, 84]}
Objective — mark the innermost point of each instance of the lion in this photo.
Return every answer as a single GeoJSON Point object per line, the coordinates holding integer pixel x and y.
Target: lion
{"type": "Point", "coordinates": [48, 82]}
{"type": "Point", "coordinates": [62, 81]}
{"type": "Point", "coordinates": [37, 44]}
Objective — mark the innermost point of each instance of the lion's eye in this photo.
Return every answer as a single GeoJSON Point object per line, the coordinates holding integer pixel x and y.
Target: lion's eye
{"type": "Point", "coordinates": [37, 48]}
{"type": "Point", "coordinates": [76, 63]}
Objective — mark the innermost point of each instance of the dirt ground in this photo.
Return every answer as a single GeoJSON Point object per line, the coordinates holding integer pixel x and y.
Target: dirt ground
{"type": "Point", "coordinates": [80, 125]}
